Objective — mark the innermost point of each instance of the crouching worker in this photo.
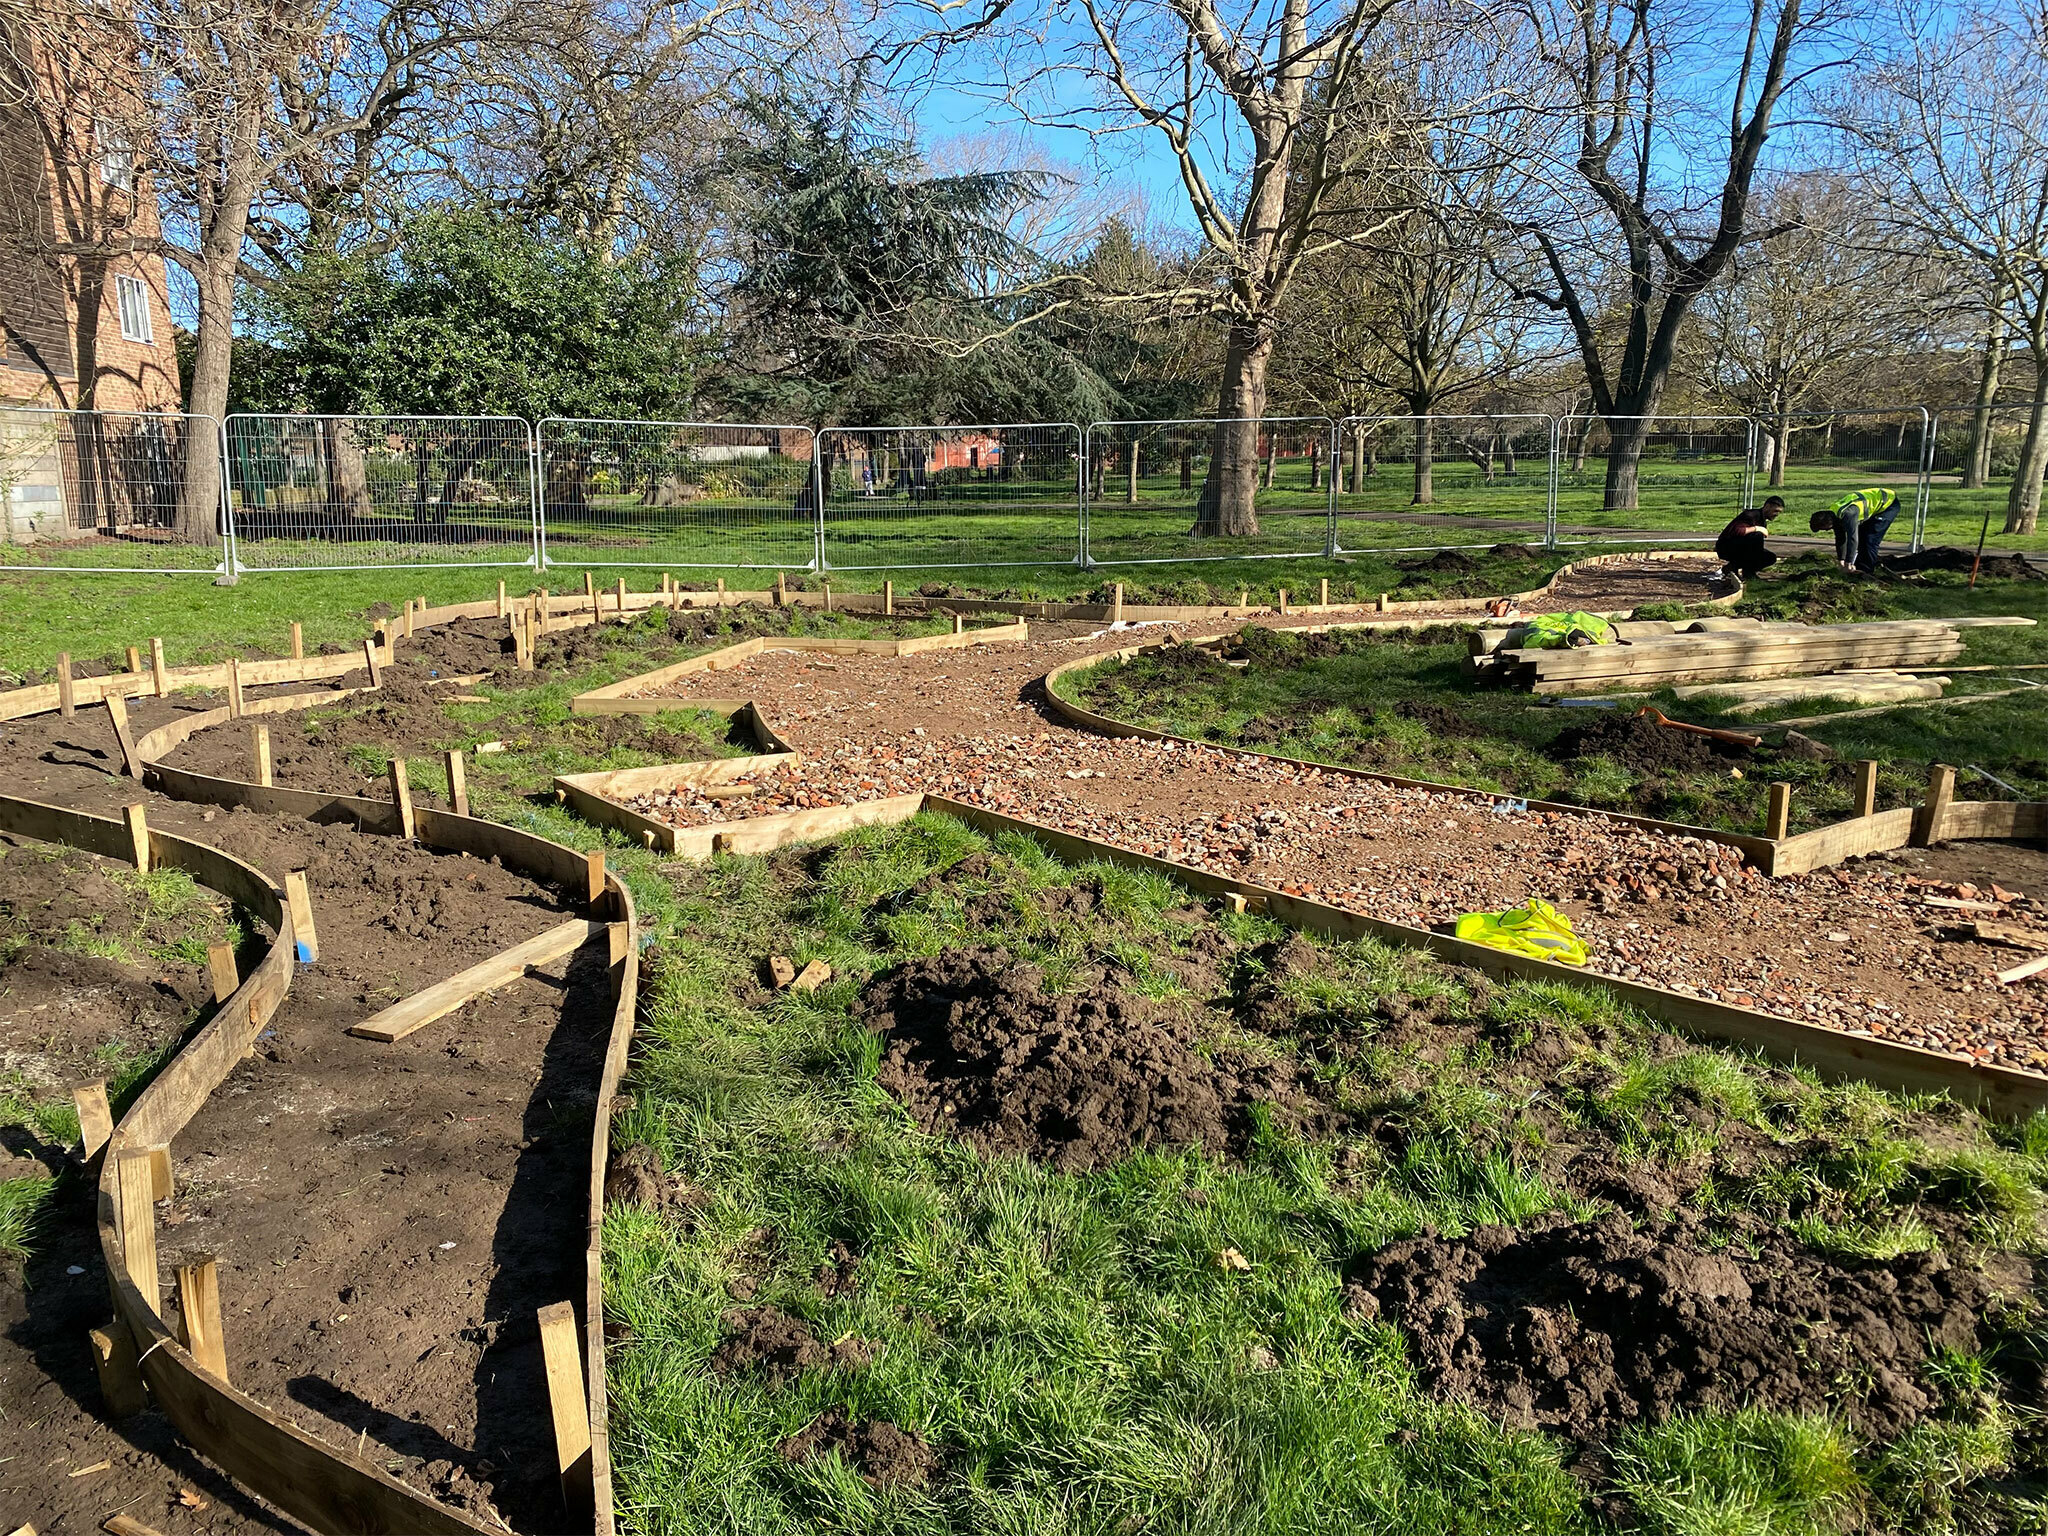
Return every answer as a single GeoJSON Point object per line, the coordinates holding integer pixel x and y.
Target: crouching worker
{"type": "Point", "coordinates": [1859, 521]}
{"type": "Point", "coordinates": [1741, 544]}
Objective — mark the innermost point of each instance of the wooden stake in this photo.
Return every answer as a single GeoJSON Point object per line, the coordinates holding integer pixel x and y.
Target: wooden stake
{"type": "Point", "coordinates": [1116, 603]}
{"type": "Point", "coordinates": [1324, 600]}
{"type": "Point", "coordinates": [1778, 817]}
{"type": "Point", "coordinates": [1244, 597]}
{"type": "Point", "coordinates": [263, 769]}
{"type": "Point", "coordinates": [298, 641]}
{"type": "Point", "coordinates": [135, 1208]}
{"type": "Point", "coordinates": [300, 901]}
{"type": "Point", "coordinates": [522, 641]}
{"type": "Point", "coordinates": [401, 796]}
{"type": "Point", "coordinates": [541, 604]}
{"type": "Point", "coordinates": [562, 1356]}
{"type": "Point", "coordinates": [220, 968]}
{"type": "Point", "coordinates": [1941, 789]}
{"type": "Point", "coordinates": [370, 660]}
{"type": "Point", "coordinates": [889, 598]}
{"type": "Point", "coordinates": [66, 702]}
{"type": "Point", "coordinates": [234, 687]}
{"type": "Point", "coordinates": [117, 716]}
{"type": "Point", "coordinates": [95, 1117]}
{"type": "Point", "coordinates": [113, 1356]}
{"type": "Point", "coordinates": [159, 1172]}
{"type": "Point", "coordinates": [134, 659]}
{"type": "Point", "coordinates": [827, 584]}
{"type": "Point", "coordinates": [781, 592]}
{"type": "Point", "coordinates": [408, 618]}
{"type": "Point", "coordinates": [137, 817]}
{"type": "Point", "coordinates": [458, 783]}
{"type": "Point", "coordinates": [161, 672]}
{"type": "Point", "coordinates": [959, 623]}
{"type": "Point", "coordinates": [622, 597]}
{"type": "Point", "coordinates": [199, 1308]}
{"type": "Point", "coordinates": [501, 599]}
{"type": "Point", "coordinates": [593, 877]}
{"type": "Point", "coordinates": [721, 591]}
{"type": "Point", "coordinates": [1866, 787]}
{"type": "Point", "coordinates": [1283, 599]}
{"type": "Point", "coordinates": [1383, 602]}
{"type": "Point", "coordinates": [590, 588]}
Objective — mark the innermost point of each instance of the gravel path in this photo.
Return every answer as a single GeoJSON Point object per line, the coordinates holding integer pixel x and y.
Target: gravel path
{"type": "Point", "coordinates": [1854, 947]}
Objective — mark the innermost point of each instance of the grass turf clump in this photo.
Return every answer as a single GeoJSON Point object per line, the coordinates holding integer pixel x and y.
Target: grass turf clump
{"type": "Point", "coordinates": [1171, 1336]}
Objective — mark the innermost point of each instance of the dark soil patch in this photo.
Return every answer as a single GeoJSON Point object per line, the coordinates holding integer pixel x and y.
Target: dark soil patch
{"type": "Point", "coordinates": [1583, 1329]}
{"type": "Point", "coordinates": [779, 1347]}
{"type": "Point", "coordinates": [1642, 746]}
{"type": "Point", "coordinates": [975, 1046]}
{"type": "Point", "coordinates": [884, 1455]}
{"type": "Point", "coordinates": [1949, 557]}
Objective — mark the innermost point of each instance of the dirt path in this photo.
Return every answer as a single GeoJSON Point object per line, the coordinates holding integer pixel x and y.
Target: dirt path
{"type": "Point", "coordinates": [1852, 948]}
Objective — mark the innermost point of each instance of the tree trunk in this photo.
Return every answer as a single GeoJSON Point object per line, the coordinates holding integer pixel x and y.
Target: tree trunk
{"type": "Point", "coordinates": [1625, 442]}
{"type": "Point", "coordinates": [1187, 466]}
{"type": "Point", "coordinates": [1272, 456]}
{"type": "Point", "coordinates": [1579, 450]}
{"type": "Point", "coordinates": [1357, 460]}
{"type": "Point", "coordinates": [2023, 502]}
{"type": "Point", "coordinates": [1767, 446]}
{"type": "Point", "coordinates": [1977, 467]}
{"type": "Point", "coordinates": [1315, 466]}
{"type": "Point", "coordinates": [1779, 446]}
{"type": "Point", "coordinates": [1131, 485]}
{"type": "Point", "coordinates": [348, 475]}
{"type": "Point", "coordinates": [199, 496]}
{"type": "Point", "coordinates": [1425, 461]}
{"type": "Point", "coordinates": [1228, 505]}
{"type": "Point", "coordinates": [1508, 454]}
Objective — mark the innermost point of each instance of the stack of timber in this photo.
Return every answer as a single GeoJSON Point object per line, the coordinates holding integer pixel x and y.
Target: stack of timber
{"type": "Point", "coordinates": [1729, 651]}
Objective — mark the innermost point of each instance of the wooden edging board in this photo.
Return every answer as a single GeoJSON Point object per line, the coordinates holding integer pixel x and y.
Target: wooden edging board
{"type": "Point", "coordinates": [620, 698]}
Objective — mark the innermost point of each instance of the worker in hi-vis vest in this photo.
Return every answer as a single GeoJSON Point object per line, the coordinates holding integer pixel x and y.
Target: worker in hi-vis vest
{"type": "Point", "coordinates": [1860, 520]}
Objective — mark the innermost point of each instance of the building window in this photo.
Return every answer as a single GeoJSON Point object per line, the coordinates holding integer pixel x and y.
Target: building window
{"type": "Point", "coordinates": [117, 155]}
{"type": "Point", "coordinates": [134, 296]}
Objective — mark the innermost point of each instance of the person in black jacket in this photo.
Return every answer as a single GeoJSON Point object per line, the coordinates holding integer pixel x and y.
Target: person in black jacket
{"type": "Point", "coordinates": [1741, 544]}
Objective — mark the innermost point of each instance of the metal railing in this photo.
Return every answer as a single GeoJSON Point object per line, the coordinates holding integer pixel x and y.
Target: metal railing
{"type": "Point", "coordinates": [1666, 479]}
{"type": "Point", "coordinates": [310, 493]}
{"type": "Point", "coordinates": [111, 491]}
{"type": "Point", "coordinates": [677, 493]}
{"type": "Point", "coordinates": [1473, 480]}
{"type": "Point", "coordinates": [940, 497]}
{"type": "Point", "coordinates": [1815, 458]}
{"type": "Point", "coordinates": [1191, 489]}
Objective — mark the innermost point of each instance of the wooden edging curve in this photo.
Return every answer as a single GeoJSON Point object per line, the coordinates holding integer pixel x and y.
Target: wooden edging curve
{"type": "Point", "coordinates": [326, 1486]}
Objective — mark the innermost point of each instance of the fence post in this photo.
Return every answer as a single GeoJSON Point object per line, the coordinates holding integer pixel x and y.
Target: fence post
{"type": "Point", "coordinates": [1331, 474]}
{"type": "Point", "coordinates": [537, 496]}
{"type": "Point", "coordinates": [231, 558]}
{"type": "Point", "coordinates": [1923, 490]}
{"type": "Point", "coordinates": [1083, 448]}
{"type": "Point", "coordinates": [1550, 490]}
{"type": "Point", "coordinates": [818, 500]}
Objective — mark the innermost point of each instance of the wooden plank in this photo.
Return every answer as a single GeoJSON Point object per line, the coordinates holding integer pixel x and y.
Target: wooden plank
{"type": "Point", "coordinates": [298, 641]}
{"type": "Point", "coordinates": [371, 662]}
{"type": "Point", "coordinates": [158, 671]}
{"type": "Point", "coordinates": [593, 876]}
{"type": "Point", "coordinates": [137, 819]}
{"type": "Point", "coordinates": [234, 688]}
{"type": "Point", "coordinates": [763, 834]}
{"type": "Point", "coordinates": [199, 1310]}
{"type": "Point", "coordinates": [265, 773]}
{"type": "Point", "coordinates": [117, 716]}
{"type": "Point", "coordinates": [458, 782]}
{"type": "Point", "coordinates": [113, 1358]}
{"type": "Point", "coordinates": [444, 997]}
{"type": "Point", "coordinates": [221, 971]}
{"type": "Point", "coordinates": [95, 1117]}
{"type": "Point", "coordinates": [1824, 846]}
{"type": "Point", "coordinates": [67, 704]}
{"type": "Point", "coordinates": [134, 659]}
{"type": "Point", "coordinates": [1866, 787]}
{"type": "Point", "coordinates": [1941, 789]}
{"type": "Point", "coordinates": [299, 903]}
{"type": "Point", "coordinates": [122, 1524]}
{"type": "Point", "coordinates": [1778, 815]}
{"type": "Point", "coordinates": [1885, 709]}
{"type": "Point", "coordinates": [2008, 935]}
{"type": "Point", "coordinates": [2024, 969]}
{"type": "Point", "coordinates": [401, 796]}
{"type": "Point", "coordinates": [135, 1210]}
{"type": "Point", "coordinates": [563, 1359]}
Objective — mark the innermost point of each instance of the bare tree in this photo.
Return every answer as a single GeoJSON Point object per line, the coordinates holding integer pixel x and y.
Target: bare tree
{"type": "Point", "coordinates": [1827, 303]}
{"type": "Point", "coordinates": [1950, 135]}
{"type": "Point", "coordinates": [1640, 202]}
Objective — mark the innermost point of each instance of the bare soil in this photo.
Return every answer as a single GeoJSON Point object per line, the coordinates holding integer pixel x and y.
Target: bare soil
{"type": "Point", "coordinates": [884, 1455]}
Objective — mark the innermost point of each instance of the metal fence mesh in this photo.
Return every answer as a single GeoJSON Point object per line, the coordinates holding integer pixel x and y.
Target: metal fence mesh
{"type": "Point", "coordinates": [1437, 482]}
{"type": "Point", "coordinates": [1815, 458]}
{"type": "Point", "coordinates": [677, 493]}
{"type": "Point", "coordinates": [1672, 479]}
{"type": "Point", "coordinates": [371, 492]}
{"type": "Point", "coordinates": [106, 491]}
{"type": "Point", "coordinates": [951, 496]}
{"type": "Point", "coordinates": [1152, 485]}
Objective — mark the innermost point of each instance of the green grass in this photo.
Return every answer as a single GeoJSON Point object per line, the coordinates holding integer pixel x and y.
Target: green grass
{"type": "Point", "coordinates": [1376, 701]}
{"type": "Point", "coordinates": [1071, 1341]}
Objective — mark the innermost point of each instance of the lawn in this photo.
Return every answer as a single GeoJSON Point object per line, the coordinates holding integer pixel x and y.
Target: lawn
{"type": "Point", "coordinates": [844, 1298]}
{"type": "Point", "coordinates": [1401, 705]}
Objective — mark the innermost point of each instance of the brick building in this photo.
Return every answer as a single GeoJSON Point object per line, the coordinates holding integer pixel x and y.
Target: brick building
{"type": "Point", "coordinates": [85, 321]}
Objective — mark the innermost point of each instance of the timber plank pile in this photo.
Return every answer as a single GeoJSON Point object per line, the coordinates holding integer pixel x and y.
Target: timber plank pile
{"type": "Point", "coordinates": [1655, 655]}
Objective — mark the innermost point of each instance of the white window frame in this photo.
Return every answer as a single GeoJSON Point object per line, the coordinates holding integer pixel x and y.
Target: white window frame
{"type": "Point", "coordinates": [131, 296]}
{"type": "Point", "coordinates": [116, 153]}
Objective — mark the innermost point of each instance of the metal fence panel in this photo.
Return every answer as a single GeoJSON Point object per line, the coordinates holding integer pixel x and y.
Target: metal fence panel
{"type": "Point", "coordinates": [1815, 458]}
{"type": "Point", "coordinates": [379, 492]}
{"type": "Point", "coordinates": [1692, 474]}
{"type": "Point", "coordinates": [677, 493]}
{"type": "Point", "coordinates": [1148, 480]}
{"type": "Point", "coordinates": [1418, 483]}
{"type": "Point", "coordinates": [104, 491]}
{"type": "Point", "coordinates": [1005, 494]}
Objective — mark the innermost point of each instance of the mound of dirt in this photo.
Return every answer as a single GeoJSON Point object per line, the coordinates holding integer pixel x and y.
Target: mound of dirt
{"type": "Point", "coordinates": [1642, 746]}
{"type": "Point", "coordinates": [1948, 557]}
{"type": "Point", "coordinates": [977, 1046]}
{"type": "Point", "coordinates": [461, 648]}
{"type": "Point", "coordinates": [780, 1347]}
{"type": "Point", "coordinates": [1445, 562]}
{"type": "Point", "coordinates": [1585, 1328]}
{"type": "Point", "coordinates": [884, 1455]}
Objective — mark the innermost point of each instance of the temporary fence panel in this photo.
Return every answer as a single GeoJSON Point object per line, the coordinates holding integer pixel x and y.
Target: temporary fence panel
{"type": "Point", "coordinates": [1815, 458]}
{"type": "Point", "coordinates": [673, 494]}
{"type": "Point", "coordinates": [1415, 483]}
{"type": "Point", "coordinates": [1668, 479]}
{"type": "Point", "coordinates": [1975, 487]}
{"type": "Point", "coordinates": [106, 491]}
{"type": "Point", "coordinates": [379, 492]}
{"type": "Point", "coordinates": [1207, 490]}
{"type": "Point", "coordinates": [951, 496]}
